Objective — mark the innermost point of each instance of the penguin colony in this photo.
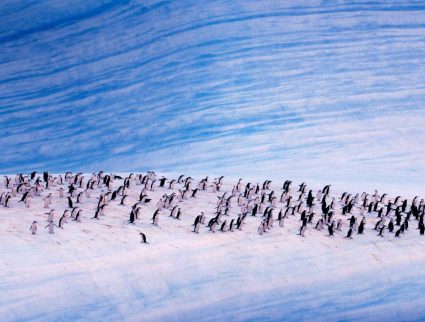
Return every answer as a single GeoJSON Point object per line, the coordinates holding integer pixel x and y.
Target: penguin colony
{"type": "Point", "coordinates": [345, 215]}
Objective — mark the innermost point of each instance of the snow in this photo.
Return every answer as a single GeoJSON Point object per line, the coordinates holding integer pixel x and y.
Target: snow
{"type": "Point", "coordinates": [99, 269]}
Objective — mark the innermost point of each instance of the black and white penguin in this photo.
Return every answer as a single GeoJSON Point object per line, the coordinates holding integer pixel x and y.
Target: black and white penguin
{"type": "Point", "coordinates": [381, 231]}
{"type": "Point", "coordinates": [349, 233]}
{"type": "Point", "coordinates": [155, 218]}
{"type": "Point", "coordinates": [302, 230]}
{"type": "Point", "coordinates": [132, 215]}
{"type": "Point", "coordinates": [33, 227]}
{"type": "Point", "coordinates": [62, 220]}
{"type": "Point", "coordinates": [331, 229]}
{"type": "Point", "coordinates": [123, 200]}
{"type": "Point", "coordinates": [70, 203]}
{"type": "Point", "coordinates": [143, 236]}
{"type": "Point", "coordinates": [178, 214]}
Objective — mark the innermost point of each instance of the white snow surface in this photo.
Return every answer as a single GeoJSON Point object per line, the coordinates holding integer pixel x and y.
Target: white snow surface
{"type": "Point", "coordinates": [99, 270]}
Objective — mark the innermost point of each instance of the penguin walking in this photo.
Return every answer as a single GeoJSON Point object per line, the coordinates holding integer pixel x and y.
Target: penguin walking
{"type": "Point", "coordinates": [33, 228]}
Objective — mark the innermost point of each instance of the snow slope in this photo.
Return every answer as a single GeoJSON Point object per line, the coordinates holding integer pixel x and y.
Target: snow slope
{"type": "Point", "coordinates": [99, 270]}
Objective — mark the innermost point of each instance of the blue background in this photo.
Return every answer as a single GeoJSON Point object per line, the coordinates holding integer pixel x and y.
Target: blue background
{"type": "Point", "coordinates": [327, 91]}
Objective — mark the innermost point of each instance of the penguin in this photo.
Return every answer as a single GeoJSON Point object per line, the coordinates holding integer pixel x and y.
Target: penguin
{"type": "Point", "coordinates": [391, 226]}
{"type": "Point", "coordinates": [349, 233]}
{"type": "Point", "coordinates": [196, 225]}
{"type": "Point", "coordinates": [381, 231]}
{"type": "Point", "coordinates": [302, 230]}
{"type": "Point", "coordinates": [24, 196]}
{"type": "Point", "coordinates": [173, 211]}
{"type": "Point", "coordinates": [171, 184]}
{"type": "Point", "coordinates": [79, 196]}
{"type": "Point", "coordinates": [143, 236]}
{"type": "Point", "coordinates": [131, 220]}
{"type": "Point", "coordinates": [361, 228]}
{"type": "Point", "coordinates": [70, 203]}
{"type": "Point", "coordinates": [231, 225]}
{"type": "Point", "coordinates": [123, 200]}
{"type": "Point", "coordinates": [213, 225]}
{"type": "Point", "coordinates": [162, 182]}
{"type": "Point", "coordinates": [194, 192]}
{"type": "Point", "coordinates": [331, 229]}
{"type": "Point", "coordinates": [51, 215]}
{"type": "Point", "coordinates": [223, 227]}
{"type": "Point", "coordinates": [397, 233]}
{"type": "Point", "coordinates": [51, 226]}
{"type": "Point", "coordinates": [422, 229]}
{"type": "Point", "coordinates": [261, 228]}
{"type": "Point", "coordinates": [7, 201]}
{"type": "Point", "coordinates": [77, 216]}
{"type": "Point", "coordinates": [319, 224]}
{"type": "Point", "coordinates": [254, 210]}
{"type": "Point", "coordinates": [62, 220]}
{"type": "Point", "coordinates": [33, 227]}
{"type": "Point", "coordinates": [178, 214]}
{"type": "Point", "coordinates": [155, 218]}
{"type": "Point", "coordinates": [28, 201]}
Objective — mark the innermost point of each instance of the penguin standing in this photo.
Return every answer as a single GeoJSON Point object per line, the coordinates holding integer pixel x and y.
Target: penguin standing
{"type": "Point", "coordinates": [331, 229]}
{"type": "Point", "coordinates": [28, 201]}
{"type": "Point", "coordinates": [33, 227]}
{"type": "Point", "coordinates": [349, 233]}
{"type": "Point", "coordinates": [48, 200]}
{"type": "Point", "coordinates": [50, 215]}
{"type": "Point", "coordinates": [78, 216]}
{"type": "Point", "coordinates": [70, 203]}
{"type": "Point", "coordinates": [143, 236]}
{"type": "Point", "coordinates": [302, 230]}
{"type": "Point", "coordinates": [261, 228]}
{"type": "Point", "coordinates": [51, 226]}
{"type": "Point", "coordinates": [62, 220]}
{"type": "Point", "coordinates": [155, 218]}
{"type": "Point", "coordinates": [422, 229]}
{"type": "Point", "coordinates": [231, 225]}
{"type": "Point", "coordinates": [131, 220]}
{"type": "Point", "coordinates": [381, 231]}
{"type": "Point", "coordinates": [179, 213]}
{"type": "Point", "coordinates": [197, 223]}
